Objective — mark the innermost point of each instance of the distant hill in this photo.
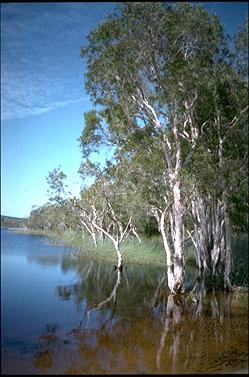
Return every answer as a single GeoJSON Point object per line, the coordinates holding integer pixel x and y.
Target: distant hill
{"type": "Point", "coordinates": [12, 222]}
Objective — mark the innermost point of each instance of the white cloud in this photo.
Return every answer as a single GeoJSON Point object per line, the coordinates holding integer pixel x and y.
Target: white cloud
{"type": "Point", "coordinates": [41, 68]}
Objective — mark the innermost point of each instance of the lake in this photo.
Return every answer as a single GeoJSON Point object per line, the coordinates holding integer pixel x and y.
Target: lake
{"type": "Point", "coordinates": [62, 317]}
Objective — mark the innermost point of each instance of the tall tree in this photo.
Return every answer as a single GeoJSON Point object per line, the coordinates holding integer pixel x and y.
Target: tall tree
{"type": "Point", "coordinates": [241, 49]}
{"type": "Point", "coordinates": [55, 180]}
{"type": "Point", "coordinates": [107, 208]}
{"type": "Point", "coordinates": [147, 67]}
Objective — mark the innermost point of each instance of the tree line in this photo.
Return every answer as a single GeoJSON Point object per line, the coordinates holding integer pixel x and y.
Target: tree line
{"type": "Point", "coordinates": [170, 94]}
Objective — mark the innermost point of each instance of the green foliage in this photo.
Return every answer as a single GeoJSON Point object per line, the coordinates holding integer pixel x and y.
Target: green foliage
{"type": "Point", "coordinates": [241, 49]}
{"type": "Point", "coordinates": [52, 218]}
{"type": "Point", "coordinates": [12, 222]}
{"type": "Point", "coordinates": [55, 180]}
{"type": "Point", "coordinates": [240, 257]}
{"type": "Point", "coordinates": [160, 56]}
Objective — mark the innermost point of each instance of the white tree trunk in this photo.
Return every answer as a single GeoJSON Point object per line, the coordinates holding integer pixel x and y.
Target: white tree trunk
{"type": "Point", "coordinates": [228, 245]}
{"type": "Point", "coordinates": [178, 240]}
{"type": "Point", "coordinates": [90, 231]}
{"type": "Point", "coordinates": [212, 235]}
{"type": "Point", "coordinates": [168, 253]}
{"type": "Point", "coordinates": [201, 216]}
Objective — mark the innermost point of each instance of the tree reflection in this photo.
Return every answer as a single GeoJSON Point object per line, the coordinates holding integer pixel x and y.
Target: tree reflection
{"type": "Point", "coordinates": [44, 260]}
{"type": "Point", "coordinates": [95, 279]}
{"type": "Point", "coordinates": [138, 327]}
{"type": "Point", "coordinates": [172, 319]}
{"type": "Point", "coordinates": [112, 296]}
{"type": "Point", "coordinates": [47, 341]}
{"type": "Point", "coordinates": [198, 337]}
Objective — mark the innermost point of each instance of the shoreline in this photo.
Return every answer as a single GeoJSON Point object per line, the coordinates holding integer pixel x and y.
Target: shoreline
{"type": "Point", "coordinates": [150, 252]}
{"type": "Point", "coordinates": [238, 371]}
{"type": "Point", "coordinates": [23, 230]}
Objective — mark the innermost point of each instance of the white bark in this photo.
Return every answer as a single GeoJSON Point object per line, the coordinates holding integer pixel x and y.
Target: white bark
{"type": "Point", "coordinates": [169, 256]}
{"type": "Point", "coordinates": [212, 234]}
{"type": "Point", "coordinates": [178, 240]}
{"type": "Point", "coordinates": [120, 257]}
{"type": "Point", "coordinates": [175, 270]}
{"type": "Point", "coordinates": [228, 245]}
{"type": "Point", "coordinates": [118, 238]}
{"type": "Point", "coordinates": [90, 231]}
{"type": "Point", "coordinates": [133, 230]}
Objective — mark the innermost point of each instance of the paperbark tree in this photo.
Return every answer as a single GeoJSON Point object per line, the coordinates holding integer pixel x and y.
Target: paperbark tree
{"type": "Point", "coordinates": [146, 69]}
{"type": "Point", "coordinates": [107, 207]}
{"type": "Point", "coordinates": [216, 170]}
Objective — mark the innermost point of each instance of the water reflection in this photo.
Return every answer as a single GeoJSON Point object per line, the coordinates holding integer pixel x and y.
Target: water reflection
{"type": "Point", "coordinates": [63, 317]}
{"type": "Point", "coordinates": [111, 297]}
{"type": "Point", "coordinates": [44, 260]}
{"type": "Point", "coordinates": [47, 342]}
{"type": "Point", "coordinates": [126, 328]}
{"type": "Point", "coordinates": [172, 318]}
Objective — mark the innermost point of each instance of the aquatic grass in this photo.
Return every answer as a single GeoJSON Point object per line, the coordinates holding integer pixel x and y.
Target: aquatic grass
{"type": "Point", "coordinates": [240, 297]}
{"type": "Point", "coordinates": [150, 251]}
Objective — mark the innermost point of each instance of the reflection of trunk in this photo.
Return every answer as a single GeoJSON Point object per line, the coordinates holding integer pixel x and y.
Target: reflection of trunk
{"type": "Point", "coordinates": [173, 317]}
{"type": "Point", "coordinates": [202, 326]}
{"type": "Point", "coordinates": [159, 290]}
{"type": "Point", "coordinates": [113, 295]}
{"type": "Point", "coordinates": [197, 294]}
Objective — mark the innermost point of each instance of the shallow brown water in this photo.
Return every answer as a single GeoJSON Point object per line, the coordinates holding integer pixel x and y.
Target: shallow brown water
{"type": "Point", "coordinates": [62, 318]}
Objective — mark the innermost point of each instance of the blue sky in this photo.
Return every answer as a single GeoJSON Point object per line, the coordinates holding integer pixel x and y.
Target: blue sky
{"type": "Point", "coordinates": [42, 93]}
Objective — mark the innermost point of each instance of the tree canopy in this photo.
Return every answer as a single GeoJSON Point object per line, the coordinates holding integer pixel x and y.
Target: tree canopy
{"type": "Point", "coordinates": [169, 92]}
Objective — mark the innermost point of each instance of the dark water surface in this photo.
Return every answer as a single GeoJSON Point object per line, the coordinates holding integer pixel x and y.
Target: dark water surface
{"type": "Point", "coordinates": [62, 318]}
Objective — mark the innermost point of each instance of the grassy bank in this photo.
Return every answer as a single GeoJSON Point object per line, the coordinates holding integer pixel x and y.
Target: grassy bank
{"type": "Point", "coordinates": [150, 251]}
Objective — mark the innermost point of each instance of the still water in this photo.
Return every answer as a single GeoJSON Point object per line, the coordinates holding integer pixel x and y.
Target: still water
{"type": "Point", "coordinates": [59, 317]}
